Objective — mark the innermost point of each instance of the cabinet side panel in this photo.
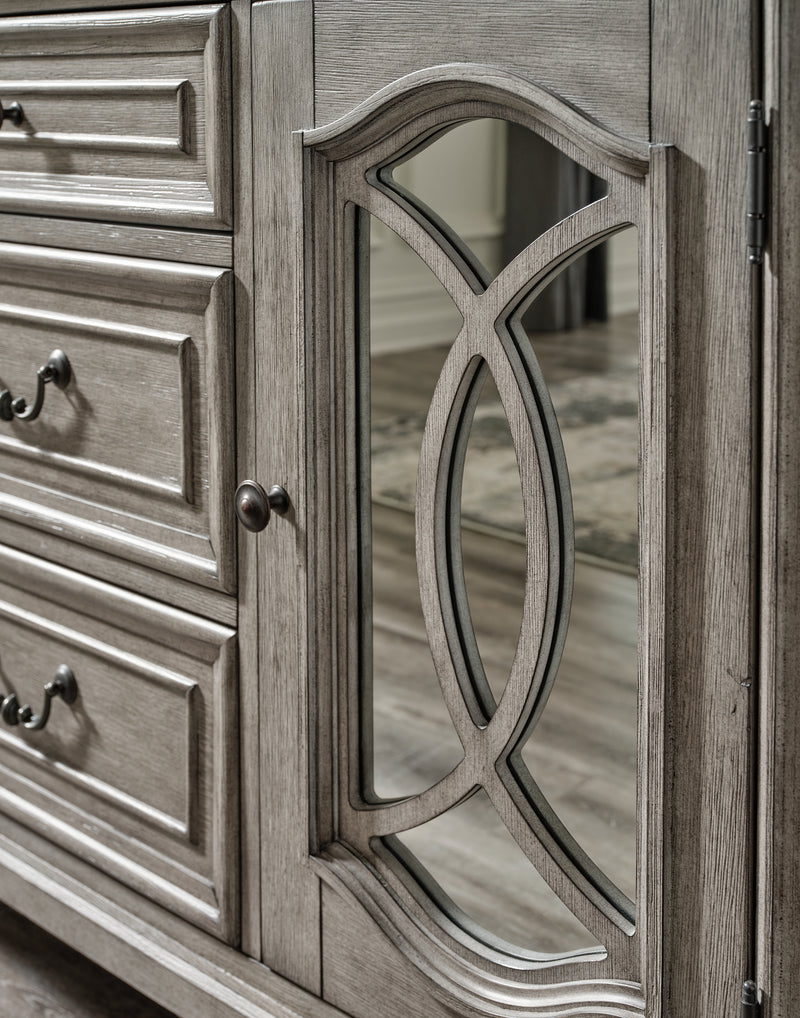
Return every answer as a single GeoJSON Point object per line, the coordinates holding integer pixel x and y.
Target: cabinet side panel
{"type": "Point", "coordinates": [778, 971]}
{"type": "Point", "coordinates": [701, 91]}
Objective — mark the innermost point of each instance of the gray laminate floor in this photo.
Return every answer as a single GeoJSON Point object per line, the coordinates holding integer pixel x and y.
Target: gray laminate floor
{"type": "Point", "coordinates": [43, 978]}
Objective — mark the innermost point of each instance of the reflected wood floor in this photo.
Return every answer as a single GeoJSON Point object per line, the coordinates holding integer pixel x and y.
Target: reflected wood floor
{"type": "Point", "coordinates": [583, 753]}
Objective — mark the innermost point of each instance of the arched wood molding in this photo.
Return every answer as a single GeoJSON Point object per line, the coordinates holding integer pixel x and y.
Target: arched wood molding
{"type": "Point", "coordinates": [479, 993]}
{"type": "Point", "coordinates": [445, 86]}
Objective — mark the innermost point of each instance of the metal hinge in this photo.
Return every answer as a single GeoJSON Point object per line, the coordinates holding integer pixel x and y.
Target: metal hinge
{"type": "Point", "coordinates": [750, 1005]}
{"type": "Point", "coordinates": [756, 182]}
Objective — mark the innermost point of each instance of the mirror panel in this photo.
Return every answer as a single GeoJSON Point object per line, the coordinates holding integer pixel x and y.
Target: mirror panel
{"type": "Point", "coordinates": [582, 331]}
{"type": "Point", "coordinates": [483, 881]}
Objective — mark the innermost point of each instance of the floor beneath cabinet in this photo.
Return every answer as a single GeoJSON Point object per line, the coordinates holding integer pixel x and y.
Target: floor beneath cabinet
{"type": "Point", "coordinates": [41, 976]}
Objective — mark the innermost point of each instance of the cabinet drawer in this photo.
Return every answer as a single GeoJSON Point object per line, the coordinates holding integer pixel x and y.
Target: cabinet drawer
{"type": "Point", "coordinates": [126, 116]}
{"type": "Point", "coordinates": [134, 456]}
{"type": "Point", "coordinates": [139, 775]}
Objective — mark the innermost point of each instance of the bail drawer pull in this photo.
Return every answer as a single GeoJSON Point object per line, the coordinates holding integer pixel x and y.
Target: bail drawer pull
{"type": "Point", "coordinates": [62, 685]}
{"type": "Point", "coordinates": [57, 370]}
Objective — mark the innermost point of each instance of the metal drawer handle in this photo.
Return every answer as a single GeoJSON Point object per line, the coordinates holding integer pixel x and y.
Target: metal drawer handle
{"type": "Point", "coordinates": [63, 685]}
{"type": "Point", "coordinates": [56, 370]}
{"type": "Point", "coordinates": [13, 113]}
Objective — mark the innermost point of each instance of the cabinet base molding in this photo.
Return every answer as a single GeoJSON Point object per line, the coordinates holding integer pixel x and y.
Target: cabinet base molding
{"type": "Point", "coordinates": [173, 964]}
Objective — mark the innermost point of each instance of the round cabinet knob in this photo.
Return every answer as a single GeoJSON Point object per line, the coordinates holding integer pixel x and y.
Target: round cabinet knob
{"type": "Point", "coordinates": [254, 506]}
{"type": "Point", "coordinates": [12, 113]}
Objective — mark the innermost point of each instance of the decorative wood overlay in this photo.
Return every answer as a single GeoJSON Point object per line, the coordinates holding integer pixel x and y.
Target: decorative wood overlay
{"type": "Point", "coordinates": [349, 172]}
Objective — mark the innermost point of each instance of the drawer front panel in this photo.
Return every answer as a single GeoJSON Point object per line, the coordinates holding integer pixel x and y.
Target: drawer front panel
{"type": "Point", "coordinates": [134, 456]}
{"type": "Point", "coordinates": [126, 116]}
{"type": "Point", "coordinates": [139, 774]}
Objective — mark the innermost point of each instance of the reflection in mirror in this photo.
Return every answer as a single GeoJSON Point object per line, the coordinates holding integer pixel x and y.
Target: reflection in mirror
{"type": "Point", "coordinates": [583, 753]}
{"type": "Point", "coordinates": [414, 742]}
{"type": "Point", "coordinates": [498, 186]}
{"type": "Point", "coordinates": [583, 329]}
{"type": "Point", "coordinates": [491, 506]}
{"type": "Point", "coordinates": [493, 892]}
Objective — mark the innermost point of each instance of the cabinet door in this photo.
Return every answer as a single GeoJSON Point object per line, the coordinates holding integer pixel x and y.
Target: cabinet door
{"type": "Point", "coordinates": [503, 367]}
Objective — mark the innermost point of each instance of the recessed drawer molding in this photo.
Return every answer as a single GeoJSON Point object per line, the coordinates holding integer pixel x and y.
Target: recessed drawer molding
{"type": "Point", "coordinates": [134, 455]}
{"type": "Point", "coordinates": [125, 116]}
{"type": "Point", "coordinates": [139, 774]}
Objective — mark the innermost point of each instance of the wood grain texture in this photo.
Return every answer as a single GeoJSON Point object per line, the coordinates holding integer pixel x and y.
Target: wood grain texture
{"type": "Point", "coordinates": [401, 991]}
{"type": "Point", "coordinates": [655, 303]}
{"type": "Point", "coordinates": [778, 908]}
{"type": "Point", "coordinates": [50, 6]}
{"type": "Point", "coordinates": [144, 424]}
{"type": "Point", "coordinates": [159, 813]}
{"type": "Point", "coordinates": [583, 751]}
{"type": "Point", "coordinates": [140, 579]}
{"type": "Point", "coordinates": [400, 635]}
{"type": "Point", "coordinates": [137, 241]}
{"type": "Point", "coordinates": [534, 433]}
{"type": "Point", "coordinates": [282, 83]}
{"type": "Point", "coordinates": [138, 131]}
{"type": "Point", "coordinates": [246, 423]}
{"type": "Point", "coordinates": [700, 591]}
{"type": "Point", "coordinates": [444, 88]}
{"type": "Point", "coordinates": [554, 44]}
{"type": "Point", "coordinates": [701, 90]}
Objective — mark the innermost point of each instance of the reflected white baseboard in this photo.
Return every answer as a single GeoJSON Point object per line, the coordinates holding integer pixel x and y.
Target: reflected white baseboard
{"type": "Point", "coordinates": [410, 310]}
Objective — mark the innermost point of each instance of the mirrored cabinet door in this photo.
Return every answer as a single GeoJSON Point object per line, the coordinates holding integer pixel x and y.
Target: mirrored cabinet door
{"type": "Point", "coordinates": [485, 314]}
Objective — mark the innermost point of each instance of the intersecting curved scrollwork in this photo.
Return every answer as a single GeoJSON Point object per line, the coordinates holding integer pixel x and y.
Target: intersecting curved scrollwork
{"type": "Point", "coordinates": [354, 175]}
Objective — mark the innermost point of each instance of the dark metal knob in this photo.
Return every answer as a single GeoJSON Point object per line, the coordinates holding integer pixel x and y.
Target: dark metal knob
{"type": "Point", "coordinates": [57, 370]}
{"type": "Point", "coordinates": [254, 506]}
{"type": "Point", "coordinates": [63, 685]}
{"type": "Point", "coordinates": [13, 113]}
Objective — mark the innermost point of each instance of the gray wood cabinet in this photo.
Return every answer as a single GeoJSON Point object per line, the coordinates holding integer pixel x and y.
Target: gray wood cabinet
{"type": "Point", "coordinates": [191, 202]}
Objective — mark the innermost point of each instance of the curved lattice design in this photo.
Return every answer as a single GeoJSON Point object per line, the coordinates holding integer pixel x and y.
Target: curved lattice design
{"type": "Point", "coordinates": [356, 176]}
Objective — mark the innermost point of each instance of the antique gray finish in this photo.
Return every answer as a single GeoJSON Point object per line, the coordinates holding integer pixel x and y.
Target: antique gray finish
{"type": "Point", "coordinates": [176, 214]}
{"type": "Point", "coordinates": [346, 159]}
{"type": "Point", "coordinates": [164, 161]}
{"type": "Point", "coordinates": [777, 968]}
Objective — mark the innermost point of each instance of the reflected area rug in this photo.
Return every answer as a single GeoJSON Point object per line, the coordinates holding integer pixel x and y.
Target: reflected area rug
{"type": "Point", "coordinates": [597, 414]}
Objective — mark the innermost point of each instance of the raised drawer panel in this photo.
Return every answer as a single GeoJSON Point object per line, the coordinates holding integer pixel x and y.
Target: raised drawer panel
{"type": "Point", "coordinates": [134, 456]}
{"type": "Point", "coordinates": [139, 775]}
{"type": "Point", "coordinates": [126, 116]}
